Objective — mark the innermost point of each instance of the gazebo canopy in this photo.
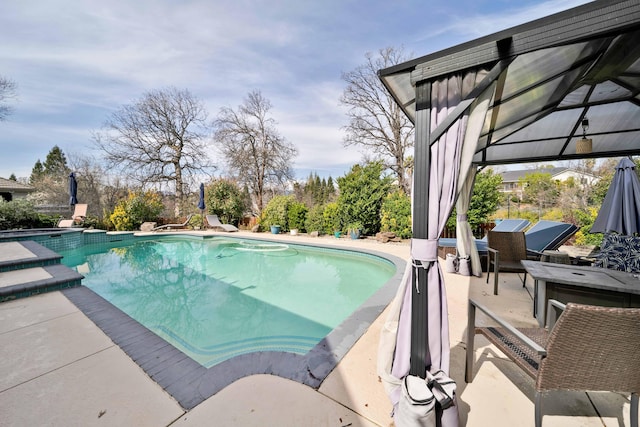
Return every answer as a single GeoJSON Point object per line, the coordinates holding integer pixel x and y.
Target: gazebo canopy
{"type": "Point", "coordinates": [520, 95]}
{"type": "Point", "coordinates": [550, 75]}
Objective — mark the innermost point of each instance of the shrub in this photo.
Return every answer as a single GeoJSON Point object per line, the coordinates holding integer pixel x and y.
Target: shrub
{"type": "Point", "coordinates": [120, 217]}
{"type": "Point", "coordinates": [331, 218]}
{"type": "Point", "coordinates": [315, 220]}
{"type": "Point", "coordinates": [396, 214]}
{"type": "Point", "coordinates": [585, 220]}
{"type": "Point", "coordinates": [362, 192]}
{"type": "Point", "coordinates": [139, 207]}
{"type": "Point", "coordinates": [197, 220]}
{"type": "Point", "coordinates": [225, 199]}
{"type": "Point", "coordinates": [277, 212]}
{"type": "Point", "coordinates": [18, 213]}
{"type": "Point", "coordinates": [297, 214]}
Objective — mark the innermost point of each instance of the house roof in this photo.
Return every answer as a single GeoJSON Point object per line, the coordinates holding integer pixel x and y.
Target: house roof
{"type": "Point", "coordinates": [515, 175]}
{"type": "Point", "coordinates": [14, 186]}
{"type": "Point", "coordinates": [545, 77]}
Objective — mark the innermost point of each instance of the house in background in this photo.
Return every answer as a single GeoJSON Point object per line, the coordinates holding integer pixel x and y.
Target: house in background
{"type": "Point", "coordinates": [13, 190]}
{"type": "Point", "coordinates": [511, 179]}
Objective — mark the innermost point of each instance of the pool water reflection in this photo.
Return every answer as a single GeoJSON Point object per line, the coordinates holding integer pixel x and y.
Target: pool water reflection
{"type": "Point", "coordinates": [218, 298]}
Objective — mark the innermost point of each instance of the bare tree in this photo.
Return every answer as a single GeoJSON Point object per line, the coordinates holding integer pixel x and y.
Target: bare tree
{"type": "Point", "coordinates": [254, 150]}
{"type": "Point", "coordinates": [7, 91]}
{"type": "Point", "coordinates": [161, 139]}
{"type": "Point", "coordinates": [95, 185]}
{"type": "Point", "coordinates": [376, 122]}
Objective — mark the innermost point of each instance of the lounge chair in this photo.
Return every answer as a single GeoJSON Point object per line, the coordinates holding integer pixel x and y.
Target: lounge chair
{"type": "Point", "coordinates": [169, 226]}
{"type": "Point", "coordinates": [548, 236]}
{"type": "Point", "coordinates": [543, 236]}
{"type": "Point", "coordinates": [214, 222]}
{"type": "Point", "coordinates": [448, 245]}
{"type": "Point", "coordinates": [589, 348]}
{"type": "Point", "coordinates": [77, 218]}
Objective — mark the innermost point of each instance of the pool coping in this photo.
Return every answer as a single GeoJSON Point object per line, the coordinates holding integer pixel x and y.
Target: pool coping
{"type": "Point", "coordinates": [190, 383]}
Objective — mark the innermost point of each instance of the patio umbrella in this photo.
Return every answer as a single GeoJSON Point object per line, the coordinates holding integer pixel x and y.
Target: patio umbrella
{"type": "Point", "coordinates": [620, 210]}
{"type": "Point", "coordinates": [201, 204]}
{"type": "Point", "coordinates": [73, 189]}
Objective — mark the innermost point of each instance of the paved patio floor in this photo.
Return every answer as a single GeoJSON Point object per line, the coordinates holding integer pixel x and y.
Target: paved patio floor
{"type": "Point", "coordinates": [58, 369]}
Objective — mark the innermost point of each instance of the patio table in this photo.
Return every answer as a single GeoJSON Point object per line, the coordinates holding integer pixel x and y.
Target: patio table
{"type": "Point", "coordinates": [581, 284]}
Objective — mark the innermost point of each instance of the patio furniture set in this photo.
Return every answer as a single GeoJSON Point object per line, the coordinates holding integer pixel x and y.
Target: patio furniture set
{"type": "Point", "coordinates": [588, 316]}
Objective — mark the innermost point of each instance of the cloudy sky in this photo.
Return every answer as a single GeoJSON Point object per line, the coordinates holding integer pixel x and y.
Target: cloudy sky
{"type": "Point", "coordinates": [76, 62]}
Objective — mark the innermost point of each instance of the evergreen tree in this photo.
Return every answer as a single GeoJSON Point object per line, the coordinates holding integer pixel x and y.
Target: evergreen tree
{"type": "Point", "coordinates": [13, 177]}
{"type": "Point", "coordinates": [331, 190]}
{"type": "Point", "coordinates": [362, 192]}
{"type": "Point", "coordinates": [55, 165]}
{"type": "Point", "coordinates": [317, 191]}
{"type": "Point", "coordinates": [37, 172]}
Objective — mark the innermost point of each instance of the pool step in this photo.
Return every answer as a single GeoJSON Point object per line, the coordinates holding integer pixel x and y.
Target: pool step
{"type": "Point", "coordinates": [26, 254]}
{"type": "Point", "coordinates": [28, 268]}
{"type": "Point", "coordinates": [25, 282]}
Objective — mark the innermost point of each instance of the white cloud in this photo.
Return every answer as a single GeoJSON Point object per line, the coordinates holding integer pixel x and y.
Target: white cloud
{"type": "Point", "coordinates": [75, 62]}
{"type": "Point", "coordinates": [465, 26]}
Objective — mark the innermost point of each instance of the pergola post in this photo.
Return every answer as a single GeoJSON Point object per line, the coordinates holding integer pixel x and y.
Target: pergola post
{"type": "Point", "coordinates": [420, 357]}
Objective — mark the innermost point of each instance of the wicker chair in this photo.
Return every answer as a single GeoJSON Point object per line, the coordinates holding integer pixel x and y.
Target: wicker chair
{"type": "Point", "coordinates": [505, 251]}
{"type": "Point", "coordinates": [589, 348]}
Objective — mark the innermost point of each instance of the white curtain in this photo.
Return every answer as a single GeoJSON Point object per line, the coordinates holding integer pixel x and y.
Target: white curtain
{"type": "Point", "coordinates": [449, 160]}
{"type": "Point", "coordinates": [465, 241]}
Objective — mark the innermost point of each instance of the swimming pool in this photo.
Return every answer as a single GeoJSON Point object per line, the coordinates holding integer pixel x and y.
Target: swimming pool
{"type": "Point", "coordinates": [219, 298]}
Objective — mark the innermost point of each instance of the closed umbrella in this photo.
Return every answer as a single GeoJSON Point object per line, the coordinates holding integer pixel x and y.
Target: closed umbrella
{"type": "Point", "coordinates": [73, 190]}
{"type": "Point", "coordinates": [201, 204]}
{"type": "Point", "coordinates": [620, 210]}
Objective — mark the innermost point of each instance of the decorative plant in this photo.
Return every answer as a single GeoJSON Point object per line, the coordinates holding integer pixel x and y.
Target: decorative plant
{"type": "Point", "coordinates": [355, 226]}
{"type": "Point", "coordinates": [276, 212]}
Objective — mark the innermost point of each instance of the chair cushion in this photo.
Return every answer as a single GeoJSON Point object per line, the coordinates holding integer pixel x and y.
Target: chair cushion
{"type": "Point", "coordinates": [619, 253]}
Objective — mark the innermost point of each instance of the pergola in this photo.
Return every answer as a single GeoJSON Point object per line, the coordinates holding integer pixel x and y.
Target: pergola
{"type": "Point", "coordinates": [562, 87]}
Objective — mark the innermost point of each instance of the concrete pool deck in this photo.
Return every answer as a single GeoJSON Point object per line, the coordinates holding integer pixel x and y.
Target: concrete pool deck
{"type": "Point", "coordinates": [58, 368]}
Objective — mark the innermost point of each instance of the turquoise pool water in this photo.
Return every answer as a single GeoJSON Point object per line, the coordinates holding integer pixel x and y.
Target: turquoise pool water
{"type": "Point", "coordinates": [219, 298]}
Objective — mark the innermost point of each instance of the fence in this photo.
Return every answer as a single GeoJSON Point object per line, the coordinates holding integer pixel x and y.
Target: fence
{"type": "Point", "coordinates": [479, 231]}
{"type": "Point", "coordinates": [54, 209]}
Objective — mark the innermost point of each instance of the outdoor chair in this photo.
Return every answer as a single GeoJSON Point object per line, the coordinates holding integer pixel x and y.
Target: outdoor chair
{"type": "Point", "coordinates": [447, 245]}
{"type": "Point", "coordinates": [542, 236]}
{"type": "Point", "coordinates": [589, 348]}
{"type": "Point", "coordinates": [77, 218]}
{"type": "Point", "coordinates": [169, 226]}
{"type": "Point", "coordinates": [548, 236]}
{"type": "Point", "coordinates": [504, 253]}
{"type": "Point", "coordinates": [214, 222]}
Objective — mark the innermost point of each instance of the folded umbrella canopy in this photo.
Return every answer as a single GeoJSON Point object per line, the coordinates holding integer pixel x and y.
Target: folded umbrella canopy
{"type": "Point", "coordinates": [201, 204]}
{"type": "Point", "coordinates": [620, 210]}
{"type": "Point", "coordinates": [73, 189]}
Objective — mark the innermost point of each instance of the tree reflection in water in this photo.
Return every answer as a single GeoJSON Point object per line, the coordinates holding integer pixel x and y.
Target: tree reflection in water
{"type": "Point", "coordinates": [214, 302]}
